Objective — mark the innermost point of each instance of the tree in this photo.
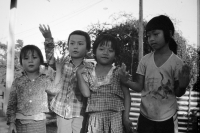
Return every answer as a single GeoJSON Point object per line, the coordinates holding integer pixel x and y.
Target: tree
{"type": "Point", "coordinates": [125, 28]}
{"type": "Point", "coordinates": [3, 58]}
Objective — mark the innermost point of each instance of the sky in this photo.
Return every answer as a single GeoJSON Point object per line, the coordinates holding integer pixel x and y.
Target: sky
{"type": "Point", "coordinates": [65, 16]}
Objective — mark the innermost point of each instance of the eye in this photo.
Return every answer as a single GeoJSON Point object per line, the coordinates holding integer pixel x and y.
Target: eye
{"type": "Point", "coordinates": [80, 43]}
{"type": "Point", "coordinates": [111, 50]}
{"type": "Point", "coordinates": [101, 49]}
{"type": "Point", "coordinates": [155, 34]}
{"type": "Point", "coordinates": [35, 57]}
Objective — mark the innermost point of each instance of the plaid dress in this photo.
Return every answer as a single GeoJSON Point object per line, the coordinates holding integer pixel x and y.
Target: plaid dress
{"type": "Point", "coordinates": [105, 105]}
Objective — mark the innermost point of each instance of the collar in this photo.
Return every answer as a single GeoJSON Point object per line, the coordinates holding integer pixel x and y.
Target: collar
{"type": "Point", "coordinates": [69, 60]}
{"type": "Point", "coordinates": [42, 71]}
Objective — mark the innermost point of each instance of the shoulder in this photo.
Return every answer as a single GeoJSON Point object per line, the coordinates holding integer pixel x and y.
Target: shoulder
{"type": "Point", "coordinates": [44, 76]}
{"type": "Point", "coordinates": [148, 56]}
{"type": "Point", "coordinates": [176, 59]}
{"type": "Point", "coordinates": [20, 78]}
{"type": "Point", "coordinates": [89, 63]}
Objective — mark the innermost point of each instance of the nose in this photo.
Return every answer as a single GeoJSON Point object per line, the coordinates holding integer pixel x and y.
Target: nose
{"type": "Point", "coordinates": [105, 52]}
{"type": "Point", "coordinates": [30, 59]}
{"type": "Point", "coordinates": [76, 45]}
{"type": "Point", "coordinates": [150, 38]}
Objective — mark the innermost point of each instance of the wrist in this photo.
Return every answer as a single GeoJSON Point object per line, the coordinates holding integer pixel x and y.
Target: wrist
{"type": "Point", "coordinates": [10, 123]}
{"type": "Point", "coordinates": [49, 40]}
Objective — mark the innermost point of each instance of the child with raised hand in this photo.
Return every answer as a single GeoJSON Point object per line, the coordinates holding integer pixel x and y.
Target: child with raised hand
{"type": "Point", "coordinates": [161, 77]}
{"type": "Point", "coordinates": [108, 103]}
{"type": "Point", "coordinates": [28, 97]}
{"type": "Point", "coordinates": [69, 104]}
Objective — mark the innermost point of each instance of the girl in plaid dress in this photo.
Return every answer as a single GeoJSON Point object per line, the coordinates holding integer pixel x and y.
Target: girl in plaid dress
{"type": "Point", "coordinates": [108, 101]}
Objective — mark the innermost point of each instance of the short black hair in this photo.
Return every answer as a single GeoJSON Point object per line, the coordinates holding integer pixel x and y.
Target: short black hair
{"type": "Point", "coordinates": [82, 33]}
{"type": "Point", "coordinates": [102, 40]}
{"type": "Point", "coordinates": [31, 48]}
{"type": "Point", "coordinates": [165, 24]}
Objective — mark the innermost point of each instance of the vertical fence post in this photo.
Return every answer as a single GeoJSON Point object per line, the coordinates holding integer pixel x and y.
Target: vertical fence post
{"type": "Point", "coordinates": [10, 52]}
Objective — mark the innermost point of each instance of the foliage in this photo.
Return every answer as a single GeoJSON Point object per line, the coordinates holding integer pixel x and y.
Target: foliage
{"type": "Point", "coordinates": [125, 28]}
{"type": "Point", "coordinates": [3, 61]}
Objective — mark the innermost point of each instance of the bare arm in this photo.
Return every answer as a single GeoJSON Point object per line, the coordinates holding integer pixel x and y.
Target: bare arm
{"type": "Point", "coordinates": [83, 86]}
{"type": "Point", "coordinates": [125, 79]}
{"type": "Point", "coordinates": [183, 82]}
{"type": "Point", "coordinates": [127, 104]}
{"type": "Point", "coordinates": [138, 85]}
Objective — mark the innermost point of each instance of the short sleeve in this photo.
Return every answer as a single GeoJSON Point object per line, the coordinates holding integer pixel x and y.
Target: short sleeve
{"type": "Point", "coordinates": [141, 69]}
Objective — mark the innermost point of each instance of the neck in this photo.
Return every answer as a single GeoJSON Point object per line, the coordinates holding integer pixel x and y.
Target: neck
{"type": "Point", "coordinates": [163, 50]}
{"type": "Point", "coordinates": [104, 66]}
{"type": "Point", "coordinates": [77, 61]}
{"type": "Point", "coordinates": [32, 75]}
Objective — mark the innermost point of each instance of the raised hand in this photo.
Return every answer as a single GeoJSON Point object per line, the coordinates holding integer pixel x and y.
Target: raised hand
{"type": "Point", "coordinates": [46, 31]}
{"type": "Point", "coordinates": [124, 75]}
{"type": "Point", "coordinates": [60, 63]}
{"type": "Point", "coordinates": [184, 76]}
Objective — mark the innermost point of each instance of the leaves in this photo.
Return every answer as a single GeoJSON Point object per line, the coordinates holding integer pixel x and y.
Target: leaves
{"type": "Point", "coordinates": [3, 61]}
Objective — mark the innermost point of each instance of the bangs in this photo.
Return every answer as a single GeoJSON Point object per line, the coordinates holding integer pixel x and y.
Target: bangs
{"type": "Point", "coordinates": [153, 25]}
{"type": "Point", "coordinates": [26, 51]}
{"type": "Point", "coordinates": [113, 43]}
{"type": "Point", "coordinates": [160, 23]}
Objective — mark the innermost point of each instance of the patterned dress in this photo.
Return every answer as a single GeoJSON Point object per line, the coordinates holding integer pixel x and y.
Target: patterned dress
{"type": "Point", "coordinates": [28, 103]}
{"type": "Point", "coordinates": [105, 104]}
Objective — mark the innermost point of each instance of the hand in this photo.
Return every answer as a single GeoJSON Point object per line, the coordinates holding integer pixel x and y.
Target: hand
{"type": "Point", "coordinates": [129, 128]}
{"type": "Point", "coordinates": [80, 69]}
{"type": "Point", "coordinates": [46, 32]}
{"type": "Point", "coordinates": [12, 128]}
{"type": "Point", "coordinates": [124, 75]}
{"type": "Point", "coordinates": [184, 76]}
{"type": "Point", "coordinates": [60, 63]}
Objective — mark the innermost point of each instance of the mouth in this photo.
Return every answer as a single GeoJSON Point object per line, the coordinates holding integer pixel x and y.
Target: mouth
{"type": "Point", "coordinates": [153, 44]}
{"type": "Point", "coordinates": [30, 66]}
{"type": "Point", "coordinates": [105, 58]}
{"type": "Point", "coordinates": [75, 52]}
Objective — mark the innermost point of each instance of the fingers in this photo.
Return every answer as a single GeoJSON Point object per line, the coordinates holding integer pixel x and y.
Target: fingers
{"type": "Point", "coordinates": [48, 28]}
{"type": "Point", "coordinates": [43, 28]}
{"type": "Point", "coordinates": [123, 67]}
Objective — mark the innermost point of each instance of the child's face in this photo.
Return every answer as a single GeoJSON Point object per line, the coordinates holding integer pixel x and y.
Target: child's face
{"type": "Point", "coordinates": [77, 46]}
{"type": "Point", "coordinates": [156, 39]}
{"type": "Point", "coordinates": [31, 62]}
{"type": "Point", "coordinates": [105, 55]}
